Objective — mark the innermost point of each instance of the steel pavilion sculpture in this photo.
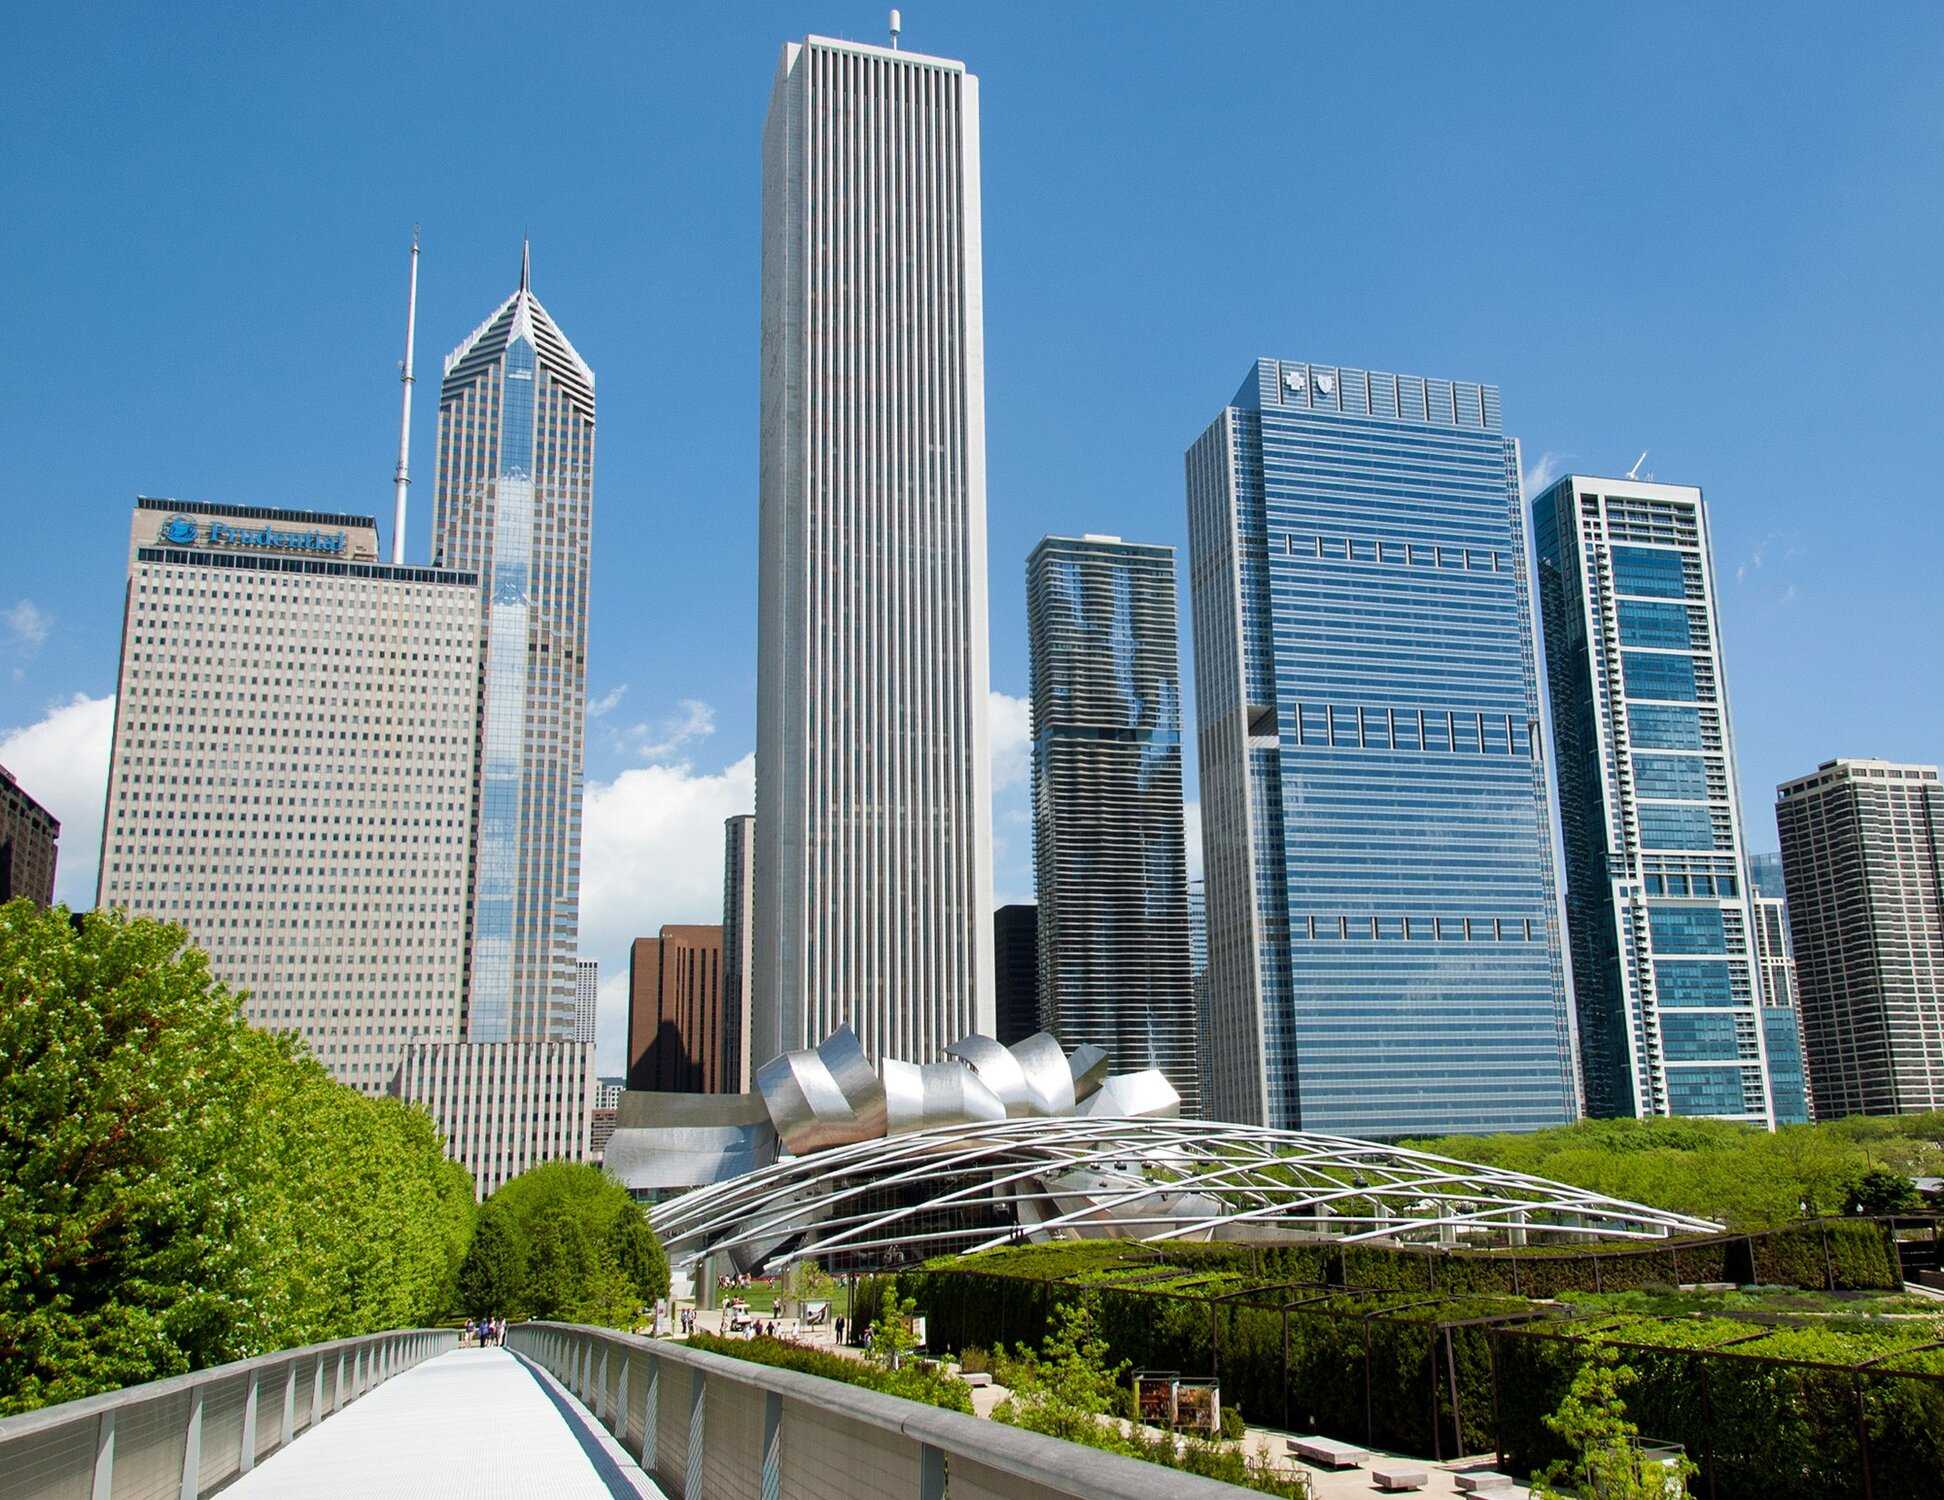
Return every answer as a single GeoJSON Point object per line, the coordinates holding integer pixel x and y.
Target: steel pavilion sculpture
{"type": "Point", "coordinates": [997, 1144]}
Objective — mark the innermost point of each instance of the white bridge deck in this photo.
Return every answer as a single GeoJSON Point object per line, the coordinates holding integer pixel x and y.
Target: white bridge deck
{"type": "Point", "coordinates": [469, 1424]}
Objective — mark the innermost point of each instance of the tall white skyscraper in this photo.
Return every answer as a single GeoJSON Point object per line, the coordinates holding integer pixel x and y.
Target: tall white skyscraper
{"type": "Point", "coordinates": [587, 998]}
{"type": "Point", "coordinates": [873, 810]}
{"type": "Point", "coordinates": [515, 503]}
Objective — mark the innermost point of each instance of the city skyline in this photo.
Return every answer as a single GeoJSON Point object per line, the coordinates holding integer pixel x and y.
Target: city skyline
{"type": "Point", "coordinates": [1769, 496]}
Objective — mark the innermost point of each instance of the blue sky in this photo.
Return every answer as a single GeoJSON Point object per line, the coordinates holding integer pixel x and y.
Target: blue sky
{"type": "Point", "coordinates": [1714, 236]}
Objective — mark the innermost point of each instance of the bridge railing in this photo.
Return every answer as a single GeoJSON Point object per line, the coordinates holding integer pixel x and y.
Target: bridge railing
{"type": "Point", "coordinates": [707, 1424]}
{"type": "Point", "coordinates": [190, 1435]}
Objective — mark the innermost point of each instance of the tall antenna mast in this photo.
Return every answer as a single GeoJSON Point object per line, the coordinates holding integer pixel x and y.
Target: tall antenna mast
{"type": "Point", "coordinates": [897, 25]}
{"type": "Point", "coordinates": [402, 479]}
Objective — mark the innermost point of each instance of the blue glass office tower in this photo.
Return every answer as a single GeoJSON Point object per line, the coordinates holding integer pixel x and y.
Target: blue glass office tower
{"type": "Point", "coordinates": [1384, 949]}
{"type": "Point", "coordinates": [1109, 862]}
{"type": "Point", "coordinates": [514, 504]}
{"type": "Point", "coordinates": [1664, 970]}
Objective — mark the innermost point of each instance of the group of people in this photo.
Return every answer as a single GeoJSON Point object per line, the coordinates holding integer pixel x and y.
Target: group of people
{"type": "Point", "coordinates": [483, 1333]}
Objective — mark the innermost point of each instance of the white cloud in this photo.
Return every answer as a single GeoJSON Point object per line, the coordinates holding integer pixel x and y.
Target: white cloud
{"type": "Point", "coordinates": [1009, 722]}
{"type": "Point", "coordinates": [28, 626]}
{"type": "Point", "coordinates": [62, 763]}
{"type": "Point", "coordinates": [692, 720]}
{"type": "Point", "coordinates": [651, 852]}
{"type": "Point", "coordinates": [606, 704]}
{"type": "Point", "coordinates": [1542, 471]}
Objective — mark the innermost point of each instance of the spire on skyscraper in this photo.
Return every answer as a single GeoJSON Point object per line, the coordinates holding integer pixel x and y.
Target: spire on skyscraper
{"type": "Point", "coordinates": [526, 265]}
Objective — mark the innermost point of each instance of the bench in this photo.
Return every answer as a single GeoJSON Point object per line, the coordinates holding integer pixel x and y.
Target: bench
{"type": "Point", "coordinates": [1328, 1453]}
{"type": "Point", "coordinates": [1393, 1477]}
{"type": "Point", "coordinates": [1483, 1482]}
{"type": "Point", "coordinates": [978, 1379]}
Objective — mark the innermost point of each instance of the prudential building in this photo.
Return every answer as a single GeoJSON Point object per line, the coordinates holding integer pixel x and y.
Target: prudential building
{"type": "Point", "coordinates": [514, 505]}
{"type": "Point", "coordinates": [1384, 932]}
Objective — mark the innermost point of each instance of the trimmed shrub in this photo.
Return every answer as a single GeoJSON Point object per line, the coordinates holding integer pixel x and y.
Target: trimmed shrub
{"type": "Point", "coordinates": [912, 1383]}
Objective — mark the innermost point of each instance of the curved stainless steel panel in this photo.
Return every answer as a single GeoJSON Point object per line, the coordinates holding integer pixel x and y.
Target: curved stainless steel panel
{"type": "Point", "coordinates": [998, 1070]}
{"type": "Point", "coordinates": [823, 1098]}
{"type": "Point", "coordinates": [1049, 1081]}
{"type": "Point", "coordinates": [1088, 1065]}
{"type": "Point", "coordinates": [1128, 1096]}
{"type": "Point", "coordinates": [947, 1093]}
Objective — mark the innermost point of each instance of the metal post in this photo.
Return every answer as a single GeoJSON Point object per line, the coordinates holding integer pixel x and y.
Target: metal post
{"type": "Point", "coordinates": [104, 1463]}
{"type": "Point", "coordinates": [1285, 1366]}
{"type": "Point", "coordinates": [650, 1415]}
{"type": "Point", "coordinates": [619, 1412]}
{"type": "Point", "coordinates": [337, 1391]}
{"type": "Point", "coordinates": [931, 1473]}
{"type": "Point", "coordinates": [246, 1445]}
{"type": "Point", "coordinates": [1498, 1429]}
{"type": "Point", "coordinates": [600, 1385]}
{"type": "Point", "coordinates": [1707, 1424]}
{"type": "Point", "coordinates": [192, 1447]}
{"type": "Point", "coordinates": [290, 1406]}
{"type": "Point", "coordinates": [1862, 1430]}
{"type": "Point", "coordinates": [1457, 1416]}
{"type": "Point", "coordinates": [692, 1479]}
{"type": "Point", "coordinates": [317, 1393]}
{"type": "Point", "coordinates": [773, 1449]}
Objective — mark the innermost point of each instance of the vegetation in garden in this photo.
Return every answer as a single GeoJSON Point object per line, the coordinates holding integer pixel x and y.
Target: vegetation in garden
{"type": "Point", "coordinates": [1071, 1388]}
{"type": "Point", "coordinates": [1609, 1461]}
{"type": "Point", "coordinates": [563, 1242]}
{"type": "Point", "coordinates": [1734, 1174]}
{"type": "Point", "coordinates": [178, 1190]}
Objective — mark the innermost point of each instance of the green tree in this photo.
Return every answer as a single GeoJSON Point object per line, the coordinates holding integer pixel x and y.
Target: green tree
{"type": "Point", "coordinates": [1607, 1462]}
{"type": "Point", "coordinates": [493, 1276]}
{"type": "Point", "coordinates": [638, 1255]}
{"type": "Point", "coordinates": [892, 1338]}
{"type": "Point", "coordinates": [177, 1189]}
{"type": "Point", "coordinates": [589, 1255]}
{"type": "Point", "coordinates": [1065, 1390]}
{"type": "Point", "coordinates": [1881, 1191]}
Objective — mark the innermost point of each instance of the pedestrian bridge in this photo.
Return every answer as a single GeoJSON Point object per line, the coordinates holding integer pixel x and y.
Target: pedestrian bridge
{"type": "Point", "coordinates": [561, 1411]}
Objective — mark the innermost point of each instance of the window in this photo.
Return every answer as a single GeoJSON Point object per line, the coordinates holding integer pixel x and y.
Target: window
{"type": "Point", "coordinates": [1676, 828]}
{"type": "Point", "coordinates": [1681, 777]}
{"type": "Point", "coordinates": [1705, 1091]}
{"type": "Point", "coordinates": [1664, 728]}
{"type": "Point", "coordinates": [1698, 1036]}
{"type": "Point", "coordinates": [1649, 570]}
{"type": "Point", "coordinates": [1650, 675]}
{"type": "Point", "coordinates": [1687, 929]}
{"type": "Point", "coordinates": [1644, 624]}
{"type": "Point", "coordinates": [1690, 981]}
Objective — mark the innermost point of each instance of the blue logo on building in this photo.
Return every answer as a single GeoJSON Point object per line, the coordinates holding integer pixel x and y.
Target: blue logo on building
{"type": "Point", "coordinates": [180, 532]}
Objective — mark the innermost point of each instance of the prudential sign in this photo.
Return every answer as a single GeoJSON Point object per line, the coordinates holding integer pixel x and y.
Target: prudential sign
{"type": "Point", "coordinates": [180, 531]}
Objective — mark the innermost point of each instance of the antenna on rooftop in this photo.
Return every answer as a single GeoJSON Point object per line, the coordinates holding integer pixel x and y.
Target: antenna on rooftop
{"type": "Point", "coordinates": [897, 25]}
{"type": "Point", "coordinates": [402, 479]}
{"type": "Point", "coordinates": [1634, 472]}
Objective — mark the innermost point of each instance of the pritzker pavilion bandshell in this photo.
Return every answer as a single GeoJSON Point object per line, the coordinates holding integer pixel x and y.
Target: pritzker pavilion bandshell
{"type": "Point", "coordinates": [837, 1162]}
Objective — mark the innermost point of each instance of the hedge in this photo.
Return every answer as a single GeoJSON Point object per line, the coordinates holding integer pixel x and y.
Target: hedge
{"type": "Point", "coordinates": [913, 1384]}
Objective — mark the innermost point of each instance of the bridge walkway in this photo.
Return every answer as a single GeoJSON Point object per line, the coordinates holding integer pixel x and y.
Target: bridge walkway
{"type": "Point", "coordinates": [471, 1424]}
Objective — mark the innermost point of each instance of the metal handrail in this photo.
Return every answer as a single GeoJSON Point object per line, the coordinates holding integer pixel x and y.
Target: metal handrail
{"type": "Point", "coordinates": [162, 1437]}
{"type": "Point", "coordinates": [1041, 1464]}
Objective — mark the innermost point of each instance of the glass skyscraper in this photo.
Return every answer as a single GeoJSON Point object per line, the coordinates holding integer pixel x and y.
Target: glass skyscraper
{"type": "Point", "coordinates": [1664, 971]}
{"type": "Point", "coordinates": [514, 504]}
{"type": "Point", "coordinates": [873, 778]}
{"type": "Point", "coordinates": [1108, 861]}
{"type": "Point", "coordinates": [1384, 954]}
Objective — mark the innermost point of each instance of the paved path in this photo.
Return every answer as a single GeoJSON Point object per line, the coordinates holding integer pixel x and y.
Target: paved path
{"type": "Point", "coordinates": [470, 1424]}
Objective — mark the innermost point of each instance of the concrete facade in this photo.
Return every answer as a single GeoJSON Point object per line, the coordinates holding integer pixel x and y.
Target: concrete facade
{"type": "Point", "coordinates": [29, 844]}
{"type": "Point", "coordinates": [1863, 860]}
{"type": "Point", "coordinates": [503, 1106]}
{"type": "Point", "coordinates": [292, 771]}
{"type": "Point", "coordinates": [873, 782]}
{"type": "Point", "coordinates": [677, 1036]}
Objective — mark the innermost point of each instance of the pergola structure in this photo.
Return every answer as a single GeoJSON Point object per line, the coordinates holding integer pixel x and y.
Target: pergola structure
{"type": "Point", "coordinates": [972, 1185]}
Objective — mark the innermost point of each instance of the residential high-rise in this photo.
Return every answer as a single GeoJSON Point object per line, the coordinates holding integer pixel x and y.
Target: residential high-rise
{"type": "Point", "coordinates": [1664, 970]}
{"type": "Point", "coordinates": [1015, 972]}
{"type": "Point", "coordinates": [676, 1030]}
{"type": "Point", "coordinates": [1384, 955]}
{"type": "Point", "coordinates": [1109, 865]}
{"type": "Point", "coordinates": [873, 788]}
{"type": "Point", "coordinates": [738, 941]}
{"type": "Point", "coordinates": [29, 844]}
{"type": "Point", "coordinates": [1863, 856]}
{"type": "Point", "coordinates": [587, 998]}
{"type": "Point", "coordinates": [292, 769]}
{"type": "Point", "coordinates": [1781, 1011]}
{"type": "Point", "coordinates": [1197, 928]}
{"type": "Point", "coordinates": [514, 505]}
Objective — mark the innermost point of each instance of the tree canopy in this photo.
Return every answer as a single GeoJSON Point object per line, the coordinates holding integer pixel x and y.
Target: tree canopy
{"type": "Point", "coordinates": [563, 1241]}
{"type": "Point", "coordinates": [178, 1189]}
